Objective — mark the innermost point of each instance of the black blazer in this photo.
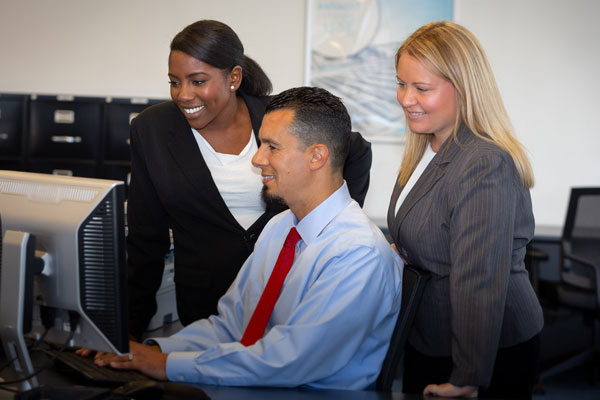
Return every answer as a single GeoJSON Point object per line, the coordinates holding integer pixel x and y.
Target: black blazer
{"type": "Point", "coordinates": [172, 188]}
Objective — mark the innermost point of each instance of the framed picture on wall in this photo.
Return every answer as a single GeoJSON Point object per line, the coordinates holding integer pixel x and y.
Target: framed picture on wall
{"type": "Point", "coordinates": [351, 46]}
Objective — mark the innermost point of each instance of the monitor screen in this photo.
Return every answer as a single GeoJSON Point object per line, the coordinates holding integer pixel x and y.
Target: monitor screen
{"type": "Point", "coordinates": [63, 249]}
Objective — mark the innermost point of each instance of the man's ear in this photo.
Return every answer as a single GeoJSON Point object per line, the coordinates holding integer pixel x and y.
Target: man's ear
{"type": "Point", "coordinates": [319, 154]}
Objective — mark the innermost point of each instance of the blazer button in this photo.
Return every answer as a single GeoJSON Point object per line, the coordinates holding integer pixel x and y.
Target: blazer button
{"type": "Point", "coordinates": [249, 237]}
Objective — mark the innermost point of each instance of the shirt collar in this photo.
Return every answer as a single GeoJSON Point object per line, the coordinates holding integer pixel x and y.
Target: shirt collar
{"type": "Point", "coordinates": [312, 224]}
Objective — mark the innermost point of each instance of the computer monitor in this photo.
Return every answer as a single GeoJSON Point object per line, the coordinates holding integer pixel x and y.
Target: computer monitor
{"type": "Point", "coordinates": [63, 249]}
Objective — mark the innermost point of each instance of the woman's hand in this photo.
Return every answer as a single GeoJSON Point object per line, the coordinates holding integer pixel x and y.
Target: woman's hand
{"type": "Point", "coordinates": [449, 390]}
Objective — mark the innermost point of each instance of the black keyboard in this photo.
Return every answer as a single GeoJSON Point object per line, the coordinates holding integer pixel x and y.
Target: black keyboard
{"type": "Point", "coordinates": [92, 374]}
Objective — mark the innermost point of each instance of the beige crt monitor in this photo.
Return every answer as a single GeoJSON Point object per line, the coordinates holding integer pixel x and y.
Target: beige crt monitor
{"type": "Point", "coordinates": [63, 250]}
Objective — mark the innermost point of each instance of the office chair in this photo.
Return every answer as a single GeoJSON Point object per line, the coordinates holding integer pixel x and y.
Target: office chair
{"type": "Point", "coordinates": [532, 257]}
{"type": "Point", "coordinates": [579, 286]}
{"type": "Point", "coordinates": [413, 285]}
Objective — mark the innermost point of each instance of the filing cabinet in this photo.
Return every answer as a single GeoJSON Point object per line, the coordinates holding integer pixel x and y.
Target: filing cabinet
{"type": "Point", "coordinates": [68, 135]}
{"type": "Point", "coordinates": [13, 123]}
{"type": "Point", "coordinates": [119, 114]}
{"type": "Point", "coordinates": [64, 127]}
{"type": "Point", "coordinates": [118, 171]}
{"type": "Point", "coordinates": [85, 168]}
{"type": "Point", "coordinates": [11, 164]}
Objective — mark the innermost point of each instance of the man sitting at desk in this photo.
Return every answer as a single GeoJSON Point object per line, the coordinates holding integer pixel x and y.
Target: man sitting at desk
{"type": "Point", "coordinates": [333, 317]}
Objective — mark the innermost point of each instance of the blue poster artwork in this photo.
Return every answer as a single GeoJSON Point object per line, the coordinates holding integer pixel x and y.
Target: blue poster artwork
{"type": "Point", "coordinates": [352, 48]}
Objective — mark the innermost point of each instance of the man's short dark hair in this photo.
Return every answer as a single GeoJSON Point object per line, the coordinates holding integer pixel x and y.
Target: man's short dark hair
{"type": "Point", "coordinates": [319, 117]}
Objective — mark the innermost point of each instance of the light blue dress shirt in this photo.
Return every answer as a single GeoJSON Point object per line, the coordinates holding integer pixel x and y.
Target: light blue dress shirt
{"type": "Point", "coordinates": [332, 322]}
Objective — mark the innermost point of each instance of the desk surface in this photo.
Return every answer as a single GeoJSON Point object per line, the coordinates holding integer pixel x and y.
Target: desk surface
{"type": "Point", "coordinates": [232, 393]}
{"type": "Point", "coordinates": [547, 232]}
{"type": "Point", "coordinates": [54, 377]}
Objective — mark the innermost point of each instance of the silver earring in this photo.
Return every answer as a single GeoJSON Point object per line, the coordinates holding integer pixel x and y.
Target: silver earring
{"type": "Point", "coordinates": [232, 87]}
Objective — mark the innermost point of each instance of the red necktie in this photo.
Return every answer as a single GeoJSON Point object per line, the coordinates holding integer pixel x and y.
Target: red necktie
{"type": "Point", "coordinates": [258, 322]}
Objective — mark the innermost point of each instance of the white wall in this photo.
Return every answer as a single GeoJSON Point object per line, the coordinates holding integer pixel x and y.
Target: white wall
{"type": "Point", "coordinates": [545, 54]}
{"type": "Point", "coordinates": [546, 57]}
{"type": "Point", "coordinates": [120, 47]}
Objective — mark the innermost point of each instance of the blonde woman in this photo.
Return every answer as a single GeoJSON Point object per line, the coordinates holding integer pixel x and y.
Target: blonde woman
{"type": "Point", "coordinates": [461, 209]}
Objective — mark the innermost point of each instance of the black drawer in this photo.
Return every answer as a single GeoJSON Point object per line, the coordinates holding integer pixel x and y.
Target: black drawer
{"type": "Point", "coordinates": [65, 128]}
{"type": "Point", "coordinates": [65, 167]}
{"type": "Point", "coordinates": [11, 164]}
{"type": "Point", "coordinates": [118, 172]}
{"type": "Point", "coordinates": [11, 126]}
{"type": "Point", "coordinates": [118, 121]}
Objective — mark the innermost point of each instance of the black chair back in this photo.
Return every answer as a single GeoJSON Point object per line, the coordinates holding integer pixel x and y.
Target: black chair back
{"type": "Point", "coordinates": [414, 280]}
{"type": "Point", "coordinates": [583, 214]}
{"type": "Point", "coordinates": [579, 286]}
{"type": "Point", "coordinates": [580, 249]}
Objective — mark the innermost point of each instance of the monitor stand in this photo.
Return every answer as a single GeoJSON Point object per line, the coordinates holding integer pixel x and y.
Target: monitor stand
{"type": "Point", "coordinates": [16, 302]}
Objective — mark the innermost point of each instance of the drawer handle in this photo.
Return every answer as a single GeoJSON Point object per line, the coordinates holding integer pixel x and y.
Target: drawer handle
{"type": "Point", "coordinates": [66, 139]}
{"type": "Point", "coordinates": [3, 136]}
{"type": "Point", "coordinates": [127, 141]}
{"type": "Point", "coordinates": [64, 116]}
{"type": "Point", "coordinates": [62, 172]}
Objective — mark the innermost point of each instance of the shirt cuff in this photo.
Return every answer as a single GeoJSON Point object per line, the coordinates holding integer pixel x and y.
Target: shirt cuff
{"type": "Point", "coordinates": [181, 367]}
{"type": "Point", "coordinates": [150, 342]}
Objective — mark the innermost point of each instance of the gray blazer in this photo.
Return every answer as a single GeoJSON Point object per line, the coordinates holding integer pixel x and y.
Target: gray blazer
{"type": "Point", "coordinates": [467, 220]}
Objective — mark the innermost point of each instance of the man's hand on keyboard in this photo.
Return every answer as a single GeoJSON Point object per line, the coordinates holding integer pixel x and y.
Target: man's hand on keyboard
{"type": "Point", "coordinates": [148, 360]}
{"type": "Point", "coordinates": [85, 352]}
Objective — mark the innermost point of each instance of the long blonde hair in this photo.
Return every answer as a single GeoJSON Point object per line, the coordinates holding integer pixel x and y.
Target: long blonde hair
{"type": "Point", "coordinates": [452, 52]}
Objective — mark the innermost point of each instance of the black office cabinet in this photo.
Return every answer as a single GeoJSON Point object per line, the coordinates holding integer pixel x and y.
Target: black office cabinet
{"type": "Point", "coordinates": [118, 114]}
{"type": "Point", "coordinates": [68, 135]}
{"type": "Point", "coordinates": [64, 128]}
{"type": "Point", "coordinates": [13, 111]}
{"type": "Point", "coordinates": [85, 168]}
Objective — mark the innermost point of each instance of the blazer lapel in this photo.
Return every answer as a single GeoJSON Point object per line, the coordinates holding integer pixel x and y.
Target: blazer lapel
{"type": "Point", "coordinates": [184, 149]}
{"type": "Point", "coordinates": [391, 216]}
{"type": "Point", "coordinates": [433, 173]}
{"type": "Point", "coordinates": [430, 176]}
